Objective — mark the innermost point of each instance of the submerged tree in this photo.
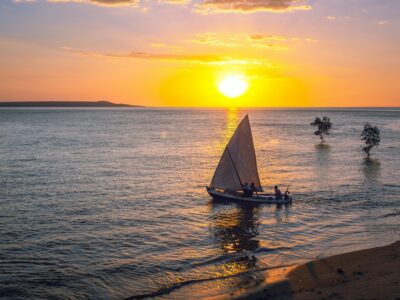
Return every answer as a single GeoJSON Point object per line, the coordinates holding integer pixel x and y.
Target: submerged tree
{"type": "Point", "coordinates": [323, 126]}
{"type": "Point", "coordinates": [372, 137]}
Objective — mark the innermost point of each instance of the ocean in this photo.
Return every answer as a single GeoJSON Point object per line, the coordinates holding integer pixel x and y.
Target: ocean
{"type": "Point", "coordinates": [111, 203]}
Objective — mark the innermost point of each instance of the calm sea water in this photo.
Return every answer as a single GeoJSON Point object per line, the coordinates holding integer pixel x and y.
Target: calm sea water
{"type": "Point", "coordinates": [112, 204]}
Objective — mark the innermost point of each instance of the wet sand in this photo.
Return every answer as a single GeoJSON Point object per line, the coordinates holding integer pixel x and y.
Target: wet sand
{"type": "Point", "coordinates": [366, 274]}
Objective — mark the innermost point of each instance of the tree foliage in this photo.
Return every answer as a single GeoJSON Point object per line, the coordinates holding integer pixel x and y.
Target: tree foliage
{"type": "Point", "coordinates": [371, 136]}
{"type": "Point", "coordinates": [323, 126]}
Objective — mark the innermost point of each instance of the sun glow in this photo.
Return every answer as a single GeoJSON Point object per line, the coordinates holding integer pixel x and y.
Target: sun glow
{"type": "Point", "coordinates": [233, 86]}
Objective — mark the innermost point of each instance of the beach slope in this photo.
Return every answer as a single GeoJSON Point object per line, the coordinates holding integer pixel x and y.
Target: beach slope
{"type": "Point", "coordinates": [366, 274]}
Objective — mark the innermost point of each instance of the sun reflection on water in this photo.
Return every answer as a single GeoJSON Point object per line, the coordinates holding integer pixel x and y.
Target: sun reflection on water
{"type": "Point", "coordinates": [232, 121]}
{"type": "Point", "coordinates": [228, 126]}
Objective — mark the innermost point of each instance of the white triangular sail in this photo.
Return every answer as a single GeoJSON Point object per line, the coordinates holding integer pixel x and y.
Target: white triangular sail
{"type": "Point", "coordinates": [238, 162]}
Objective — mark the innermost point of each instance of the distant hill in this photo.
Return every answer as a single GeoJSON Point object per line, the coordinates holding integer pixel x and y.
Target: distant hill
{"type": "Point", "coordinates": [64, 104]}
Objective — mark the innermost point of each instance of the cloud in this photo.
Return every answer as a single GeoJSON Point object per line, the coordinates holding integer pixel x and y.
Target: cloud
{"type": "Point", "coordinates": [101, 2]}
{"type": "Point", "coordinates": [176, 2]}
{"type": "Point", "coordinates": [212, 39]}
{"type": "Point", "coordinates": [250, 6]}
{"type": "Point", "coordinates": [191, 58]}
{"type": "Point", "coordinates": [381, 22]}
{"type": "Point", "coordinates": [203, 6]}
{"type": "Point", "coordinates": [261, 37]}
{"type": "Point", "coordinates": [240, 41]}
{"type": "Point", "coordinates": [174, 48]}
{"type": "Point", "coordinates": [332, 18]}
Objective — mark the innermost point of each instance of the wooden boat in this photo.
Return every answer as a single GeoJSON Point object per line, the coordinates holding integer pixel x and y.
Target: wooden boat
{"type": "Point", "coordinates": [238, 166]}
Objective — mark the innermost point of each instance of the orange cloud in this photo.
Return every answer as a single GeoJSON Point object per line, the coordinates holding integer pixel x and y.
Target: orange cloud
{"type": "Point", "coordinates": [240, 6]}
{"type": "Point", "coordinates": [240, 41]}
{"type": "Point", "coordinates": [261, 37]}
{"type": "Point", "coordinates": [206, 6]}
{"type": "Point", "coordinates": [193, 58]}
{"type": "Point", "coordinates": [176, 2]}
{"type": "Point", "coordinates": [102, 2]}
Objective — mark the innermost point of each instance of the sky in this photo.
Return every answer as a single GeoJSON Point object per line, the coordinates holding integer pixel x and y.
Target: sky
{"type": "Point", "coordinates": [291, 53]}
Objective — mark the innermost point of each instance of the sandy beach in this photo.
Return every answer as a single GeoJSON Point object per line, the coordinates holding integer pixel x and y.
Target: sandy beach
{"type": "Point", "coordinates": [366, 274]}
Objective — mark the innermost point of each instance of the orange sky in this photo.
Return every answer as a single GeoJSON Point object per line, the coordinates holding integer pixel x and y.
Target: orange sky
{"type": "Point", "coordinates": [158, 53]}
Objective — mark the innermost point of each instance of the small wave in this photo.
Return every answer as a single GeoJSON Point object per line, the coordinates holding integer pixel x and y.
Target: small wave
{"type": "Point", "coordinates": [395, 126]}
{"type": "Point", "coordinates": [167, 290]}
{"type": "Point", "coordinates": [26, 262]}
{"type": "Point", "coordinates": [392, 214]}
{"type": "Point", "coordinates": [211, 261]}
{"type": "Point", "coordinates": [276, 125]}
{"type": "Point", "coordinates": [391, 185]}
{"type": "Point", "coordinates": [13, 293]}
{"type": "Point", "coordinates": [226, 258]}
{"type": "Point", "coordinates": [268, 250]}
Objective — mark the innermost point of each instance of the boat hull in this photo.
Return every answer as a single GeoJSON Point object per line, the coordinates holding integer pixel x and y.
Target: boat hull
{"type": "Point", "coordinates": [257, 199]}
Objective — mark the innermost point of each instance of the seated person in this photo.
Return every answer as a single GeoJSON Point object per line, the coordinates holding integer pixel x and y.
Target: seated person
{"type": "Point", "coordinates": [287, 195]}
{"type": "Point", "coordinates": [253, 187]}
{"type": "Point", "coordinates": [278, 193]}
{"type": "Point", "coordinates": [247, 190]}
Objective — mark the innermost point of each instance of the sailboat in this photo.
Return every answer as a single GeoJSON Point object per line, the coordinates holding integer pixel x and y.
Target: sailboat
{"type": "Point", "coordinates": [238, 166]}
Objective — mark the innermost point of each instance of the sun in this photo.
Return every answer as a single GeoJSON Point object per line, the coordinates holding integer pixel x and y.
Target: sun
{"type": "Point", "coordinates": [233, 86]}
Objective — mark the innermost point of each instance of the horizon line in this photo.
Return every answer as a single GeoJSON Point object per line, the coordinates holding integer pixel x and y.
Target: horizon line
{"type": "Point", "coordinates": [204, 107]}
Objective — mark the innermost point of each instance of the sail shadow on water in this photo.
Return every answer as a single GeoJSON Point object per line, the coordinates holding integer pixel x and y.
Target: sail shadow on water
{"type": "Point", "coordinates": [235, 227]}
{"type": "Point", "coordinates": [235, 231]}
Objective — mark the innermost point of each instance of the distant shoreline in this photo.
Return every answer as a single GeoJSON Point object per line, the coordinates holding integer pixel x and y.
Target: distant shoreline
{"type": "Point", "coordinates": [64, 104]}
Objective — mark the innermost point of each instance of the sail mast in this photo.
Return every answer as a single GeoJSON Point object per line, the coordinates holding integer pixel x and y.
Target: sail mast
{"type": "Point", "coordinates": [233, 163]}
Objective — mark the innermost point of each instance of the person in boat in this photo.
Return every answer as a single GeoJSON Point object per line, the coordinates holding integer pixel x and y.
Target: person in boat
{"type": "Point", "coordinates": [253, 187]}
{"type": "Point", "coordinates": [278, 193]}
{"type": "Point", "coordinates": [287, 194]}
{"type": "Point", "coordinates": [247, 190]}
